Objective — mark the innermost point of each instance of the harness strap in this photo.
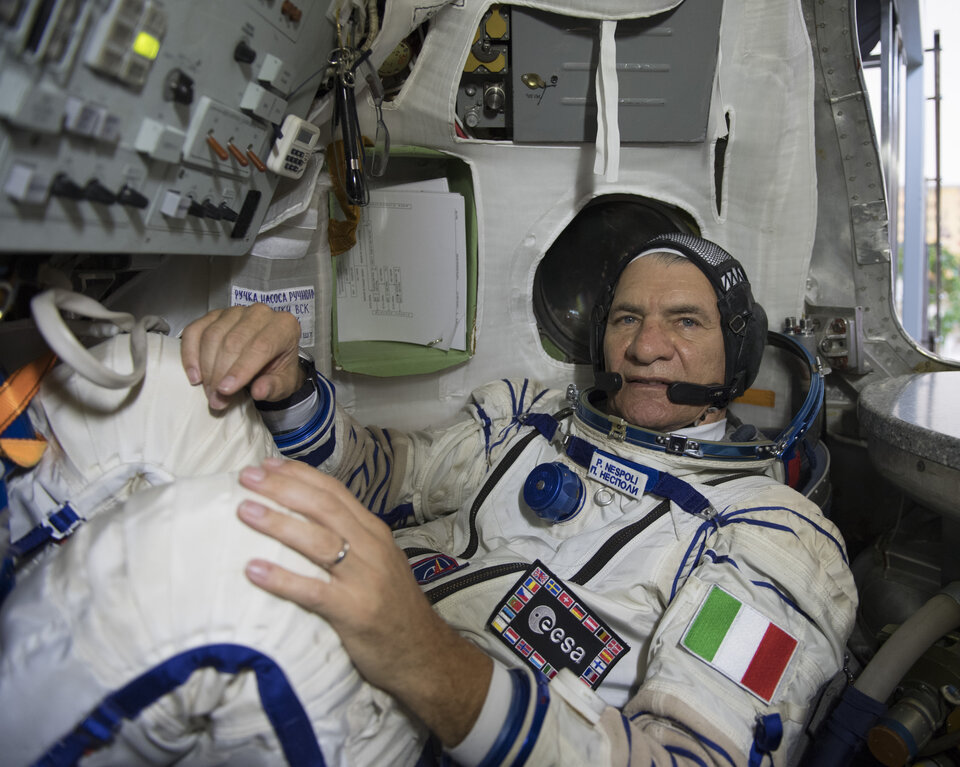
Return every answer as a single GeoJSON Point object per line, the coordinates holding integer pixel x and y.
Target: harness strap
{"type": "Point", "coordinates": [58, 526]}
{"type": "Point", "coordinates": [766, 739]}
{"type": "Point", "coordinates": [21, 446]}
{"type": "Point", "coordinates": [659, 483]}
{"type": "Point", "coordinates": [278, 698]}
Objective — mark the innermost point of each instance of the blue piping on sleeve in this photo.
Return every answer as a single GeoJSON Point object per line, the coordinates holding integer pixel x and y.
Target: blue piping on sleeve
{"type": "Point", "coordinates": [516, 410]}
{"type": "Point", "coordinates": [541, 704]}
{"type": "Point", "coordinates": [317, 456]}
{"type": "Point", "coordinates": [720, 559]}
{"type": "Point", "coordinates": [537, 399]}
{"type": "Point", "coordinates": [805, 518]}
{"type": "Point", "coordinates": [381, 488]}
{"type": "Point", "coordinates": [487, 424]}
{"type": "Point", "coordinates": [699, 536]}
{"type": "Point", "coordinates": [519, 702]}
{"type": "Point", "coordinates": [700, 738]}
{"type": "Point", "coordinates": [715, 747]}
{"type": "Point", "coordinates": [361, 469]}
{"type": "Point", "coordinates": [316, 427]}
{"type": "Point", "coordinates": [513, 396]}
{"type": "Point", "coordinates": [686, 754]}
{"type": "Point", "coordinates": [718, 522]}
{"type": "Point", "coordinates": [397, 517]}
{"type": "Point", "coordinates": [784, 597]}
{"type": "Point", "coordinates": [629, 733]}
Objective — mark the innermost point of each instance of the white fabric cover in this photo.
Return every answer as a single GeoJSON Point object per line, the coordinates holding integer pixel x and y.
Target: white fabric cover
{"type": "Point", "coordinates": [120, 440]}
{"type": "Point", "coordinates": [148, 579]}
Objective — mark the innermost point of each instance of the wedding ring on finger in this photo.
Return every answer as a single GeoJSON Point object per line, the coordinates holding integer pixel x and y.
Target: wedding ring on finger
{"type": "Point", "coordinates": [341, 555]}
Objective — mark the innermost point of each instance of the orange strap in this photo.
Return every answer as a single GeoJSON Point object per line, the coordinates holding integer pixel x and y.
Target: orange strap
{"type": "Point", "coordinates": [26, 453]}
{"type": "Point", "coordinates": [342, 235]}
{"type": "Point", "coordinates": [15, 394]}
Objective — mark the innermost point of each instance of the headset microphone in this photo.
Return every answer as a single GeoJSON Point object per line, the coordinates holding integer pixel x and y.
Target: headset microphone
{"type": "Point", "coordinates": [608, 382]}
{"type": "Point", "coordinates": [682, 393]}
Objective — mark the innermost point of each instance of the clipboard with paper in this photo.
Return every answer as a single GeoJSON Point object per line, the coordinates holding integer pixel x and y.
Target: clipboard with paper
{"type": "Point", "coordinates": [405, 293]}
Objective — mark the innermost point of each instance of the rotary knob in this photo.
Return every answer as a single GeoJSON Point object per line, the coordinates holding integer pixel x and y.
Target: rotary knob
{"type": "Point", "coordinates": [494, 97]}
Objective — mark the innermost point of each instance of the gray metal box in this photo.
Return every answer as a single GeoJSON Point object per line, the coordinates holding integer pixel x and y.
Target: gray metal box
{"type": "Point", "coordinates": [665, 67]}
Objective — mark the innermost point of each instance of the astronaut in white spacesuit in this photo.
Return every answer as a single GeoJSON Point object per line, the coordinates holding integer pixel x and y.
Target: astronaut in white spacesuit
{"type": "Point", "coordinates": [617, 579]}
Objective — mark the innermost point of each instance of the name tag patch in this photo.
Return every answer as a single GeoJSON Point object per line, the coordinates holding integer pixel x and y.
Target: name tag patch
{"type": "Point", "coordinates": [740, 642]}
{"type": "Point", "coordinates": [428, 569]}
{"type": "Point", "coordinates": [551, 628]}
{"type": "Point", "coordinates": [614, 473]}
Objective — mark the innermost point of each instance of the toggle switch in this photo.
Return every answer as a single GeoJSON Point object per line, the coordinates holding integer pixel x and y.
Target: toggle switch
{"type": "Point", "coordinates": [179, 87]}
{"type": "Point", "coordinates": [97, 192]}
{"type": "Point", "coordinates": [238, 154]}
{"type": "Point", "coordinates": [131, 197]}
{"type": "Point", "coordinates": [66, 187]}
{"type": "Point", "coordinates": [244, 53]}
{"type": "Point", "coordinates": [210, 210]}
{"type": "Point", "coordinates": [218, 150]}
{"type": "Point", "coordinates": [227, 213]}
{"type": "Point", "coordinates": [257, 162]}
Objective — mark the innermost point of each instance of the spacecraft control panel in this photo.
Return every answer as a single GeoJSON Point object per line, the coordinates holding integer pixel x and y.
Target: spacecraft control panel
{"type": "Point", "coordinates": [145, 126]}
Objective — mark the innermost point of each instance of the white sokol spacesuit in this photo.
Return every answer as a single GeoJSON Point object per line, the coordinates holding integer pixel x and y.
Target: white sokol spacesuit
{"type": "Point", "coordinates": [648, 599]}
{"type": "Point", "coordinates": [157, 573]}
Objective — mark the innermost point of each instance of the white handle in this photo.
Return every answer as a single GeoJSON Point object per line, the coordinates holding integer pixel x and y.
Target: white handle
{"type": "Point", "coordinates": [46, 308]}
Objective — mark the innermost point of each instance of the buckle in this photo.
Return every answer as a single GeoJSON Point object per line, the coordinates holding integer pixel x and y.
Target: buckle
{"type": "Point", "coordinates": [677, 444]}
{"type": "Point", "coordinates": [63, 522]}
{"type": "Point", "coordinates": [618, 429]}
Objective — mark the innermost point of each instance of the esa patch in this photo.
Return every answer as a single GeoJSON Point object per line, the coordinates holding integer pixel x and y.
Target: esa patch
{"type": "Point", "coordinates": [551, 628]}
{"type": "Point", "coordinates": [740, 643]}
{"type": "Point", "coordinates": [428, 569]}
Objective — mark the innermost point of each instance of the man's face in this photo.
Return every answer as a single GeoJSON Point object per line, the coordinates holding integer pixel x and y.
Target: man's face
{"type": "Point", "coordinates": [663, 327]}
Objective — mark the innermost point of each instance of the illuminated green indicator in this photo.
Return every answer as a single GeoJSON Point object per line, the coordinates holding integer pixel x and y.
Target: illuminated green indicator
{"type": "Point", "coordinates": [146, 45]}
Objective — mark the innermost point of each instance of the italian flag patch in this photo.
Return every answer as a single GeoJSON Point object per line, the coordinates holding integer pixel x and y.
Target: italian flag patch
{"type": "Point", "coordinates": [740, 643]}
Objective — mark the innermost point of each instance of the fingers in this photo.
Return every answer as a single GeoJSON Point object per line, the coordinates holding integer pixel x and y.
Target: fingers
{"type": "Point", "coordinates": [371, 598]}
{"type": "Point", "coordinates": [331, 536]}
{"type": "Point", "coordinates": [307, 592]}
{"type": "Point", "coordinates": [316, 542]}
{"type": "Point", "coordinates": [253, 346]}
{"type": "Point", "coordinates": [314, 494]}
{"type": "Point", "coordinates": [190, 345]}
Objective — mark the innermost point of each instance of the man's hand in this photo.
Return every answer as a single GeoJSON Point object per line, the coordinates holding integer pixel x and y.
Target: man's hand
{"type": "Point", "coordinates": [253, 346]}
{"type": "Point", "coordinates": [388, 628]}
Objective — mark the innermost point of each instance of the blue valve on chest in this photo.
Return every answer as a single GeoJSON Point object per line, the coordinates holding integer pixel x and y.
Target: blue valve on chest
{"type": "Point", "coordinates": [554, 492]}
